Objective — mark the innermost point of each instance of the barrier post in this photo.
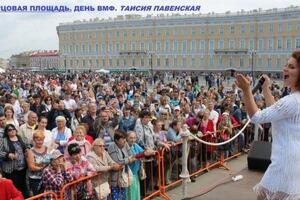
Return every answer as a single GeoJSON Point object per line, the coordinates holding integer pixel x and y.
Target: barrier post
{"type": "Point", "coordinates": [185, 173]}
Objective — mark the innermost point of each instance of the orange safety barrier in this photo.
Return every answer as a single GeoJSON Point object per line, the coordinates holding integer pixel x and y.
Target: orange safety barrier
{"type": "Point", "coordinates": [200, 159]}
{"type": "Point", "coordinates": [43, 195]}
{"type": "Point", "coordinates": [73, 184]}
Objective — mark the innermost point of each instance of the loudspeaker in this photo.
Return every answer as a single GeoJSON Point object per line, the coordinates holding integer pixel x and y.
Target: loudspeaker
{"type": "Point", "coordinates": [259, 157]}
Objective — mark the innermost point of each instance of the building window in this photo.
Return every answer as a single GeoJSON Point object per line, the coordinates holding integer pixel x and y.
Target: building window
{"type": "Point", "coordinates": [125, 34]}
{"type": "Point", "coordinates": [220, 60]}
{"type": "Point", "coordinates": [261, 28]}
{"type": "Point", "coordinates": [211, 44]}
{"type": "Point", "coordinates": [110, 62]}
{"type": "Point", "coordinates": [158, 61]}
{"type": "Point", "coordinates": [103, 62]}
{"type": "Point", "coordinates": [83, 48]}
{"type": "Point", "coordinates": [221, 30]}
{"type": "Point", "coordinates": [242, 29]}
{"type": "Point", "coordinates": [279, 44]}
{"type": "Point", "coordinates": [260, 44]}
{"type": "Point", "coordinates": [231, 44]}
{"type": "Point", "coordinates": [251, 44]}
{"type": "Point", "coordinates": [298, 43]}
{"type": "Point", "coordinates": [175, 45]}
{"type": "Point", "coordinates": [103, 48]}
{"type": "Point", "coordinates": [241, 62]}
{"type": "Point", "coordinates": [271, 28]}
{"type": "Point", "coordinates": [231, 62]}
{"type": "Point", "coordinates": [271, 44]}
{"type": "Point", "coordinates": [167, 46]}
{"type": "Point", "coordinates": [193, 31]}
{"type": "Point", "coordinates": [260, 62]}
{"type": "Point", "coordinates": [142, 35]}
{"type": "Point", "coordinates": [76, 48]}
{"type": "Point", "coordinates": [110, 47]}
{"type": "Point", "coordinates": [211, 30]}
{"type": "Point", "coordinates": [175, 61]}
{"type": "Point", "coordinates": [83, 63]}
{"type": "Point", "coordinates": [202, 44]}
{"type": "Point", "coordinates": [133, 61]}
{"type": "Point", "coordinates": [142, 62]}
{"type": "Point", "coordinates": [232, 29]}
{"type": "Point", "coordinates": [125, 46]}
{"type": "Point", "coordinates": [278, 62]}
{"type": "Point", "coordinates": [149, 34]}
{"type": "Point", "coordinates": [158, 46]}
{"type": "Point", "coordinates": [184, 46]}
{"type": "Point", "coordinates": [133, 46]}
{"type": "Point", "coordinates": [193, 45]}
{"type": "Point", "coordinates": [158, 33]}
{"type": "Point", "coordinates": [118, 47]}
{"type": "Point", "coordinates": [97, 48]}
{"type": "Point", "coordinates": [269, 62]}
{"type": "Point", "coordinates": [167, 62]}
{"type": "Point", "coordinates": [221, 44]}
{"type": "Point", "coordinates": [150, 46]}
{"type": "Point", "coordinates": [90, 48]}
{"type": "Point", "coordinates": [202, 30]}
{"type": "Point", "coordinates": [242, 44]}
{"type": "Point", "coordinates": [193, 62]}
{"type": "Point", "coordinates": [133, 34]}
{"type": "Point", "coordinates": [279, 27]}
{"type": "Point", "coordinates": [118, 34]}
{"type": "Point", "coordinates": [288, 43]}
{"type": "Point", "coordinates": [118, 62]}
{"type": "Point", "coordinates": [125, 62]}
{"type": "Point", "coordinates": [97, 63]}
{"type": "Point", "coordinates": [142, 46]}
{"type": "Point", "coordinates": [289, 27]}
{"type": "Point", "coordinates": [183, 62]}
{"type": "Point", "coordinates": [211, 60]}
{"type": "Point", "coordinates": [252, 28]}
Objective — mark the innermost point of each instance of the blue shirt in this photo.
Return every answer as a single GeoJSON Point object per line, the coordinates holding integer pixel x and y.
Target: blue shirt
{"type": "Point", "coordinates": [135, 166]}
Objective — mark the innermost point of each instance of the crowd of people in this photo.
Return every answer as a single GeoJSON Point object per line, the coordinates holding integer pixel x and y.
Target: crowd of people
{"type": "Point", "coordinates": [55, 129]}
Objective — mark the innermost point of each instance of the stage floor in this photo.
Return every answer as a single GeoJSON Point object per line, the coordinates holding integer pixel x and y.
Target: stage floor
{"type": "Point", "coordinates": [240, 190]}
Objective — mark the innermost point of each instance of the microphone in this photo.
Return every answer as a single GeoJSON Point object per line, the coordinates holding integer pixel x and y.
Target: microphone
{"type": "Point", "coordinates": [258, 85]}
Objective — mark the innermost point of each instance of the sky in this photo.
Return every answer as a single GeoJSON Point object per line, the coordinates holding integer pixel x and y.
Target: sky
{"type": "Point", "coordinates": [37, 31]}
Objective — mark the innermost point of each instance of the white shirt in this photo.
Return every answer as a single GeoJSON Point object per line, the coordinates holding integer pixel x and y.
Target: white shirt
{"type": "Point", "coordinates": [70, 104]}
{"type": "Point", "coordinates": [283, 174]}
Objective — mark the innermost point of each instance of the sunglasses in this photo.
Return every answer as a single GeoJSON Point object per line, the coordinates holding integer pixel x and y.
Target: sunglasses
{"type": "Point", "coordinates": [11, 129]}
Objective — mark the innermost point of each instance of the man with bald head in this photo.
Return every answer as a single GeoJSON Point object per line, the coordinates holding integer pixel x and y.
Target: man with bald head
{"type": "Point", "coordinates": [27, 129]}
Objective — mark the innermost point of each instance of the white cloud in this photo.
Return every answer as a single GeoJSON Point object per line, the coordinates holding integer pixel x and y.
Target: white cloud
{"type": "Point", "coordinates": [27, 31]}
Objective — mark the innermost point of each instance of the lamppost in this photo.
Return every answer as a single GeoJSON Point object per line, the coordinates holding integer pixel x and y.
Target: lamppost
{"type": "Point", "coordinates": [151, 66]}
{"type": "Point", "coordinates": [252, 53]}
{"type": "Point", "coordinates": [65, 63]}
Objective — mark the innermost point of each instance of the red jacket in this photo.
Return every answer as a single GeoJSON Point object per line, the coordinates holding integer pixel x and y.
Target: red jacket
{"type": "Point", "coordinates": [8, 191]}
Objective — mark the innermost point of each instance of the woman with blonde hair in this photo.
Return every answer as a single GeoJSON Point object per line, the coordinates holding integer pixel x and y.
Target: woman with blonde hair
{"type": "Point", "coordinates": [37, 159]}
{"type": "Point", "coordinates": [79, 138]}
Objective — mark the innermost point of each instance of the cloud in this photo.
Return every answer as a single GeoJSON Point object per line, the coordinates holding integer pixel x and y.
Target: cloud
{"type": "Point", "coordinates": [27, 31]}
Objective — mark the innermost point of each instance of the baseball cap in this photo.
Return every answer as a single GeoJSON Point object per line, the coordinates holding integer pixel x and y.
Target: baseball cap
{"type": "Point", "coordinates": [55, 154]}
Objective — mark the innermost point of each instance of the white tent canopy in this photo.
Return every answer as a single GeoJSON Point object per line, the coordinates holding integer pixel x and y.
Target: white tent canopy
{"type": "Point", "coordinates": [102, 71]}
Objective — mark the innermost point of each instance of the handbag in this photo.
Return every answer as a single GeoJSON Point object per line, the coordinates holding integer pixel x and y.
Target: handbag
{"type": "Point", "coordinates": [102, 190]}
{"type": "Point", "coordinates": [142, 172]}
{"type": "Point", "coordinates": [125, 178]}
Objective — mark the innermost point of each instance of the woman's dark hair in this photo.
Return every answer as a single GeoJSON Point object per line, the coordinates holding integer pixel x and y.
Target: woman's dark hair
{"type": "Point", "coordinates": [174, 123]}
{"type": "Point", "coordinates": [119, 134]}
{"type": "Point", "coordinates": [145, 113]}
{"type": "Point", "coordinates": [42, 117]}
{"type": "Point", "coordinates": [6, 129]}
{"type": "Point", "coordinates": [73, 149]}
{"type": "Point", "coordinates": [296, 55]}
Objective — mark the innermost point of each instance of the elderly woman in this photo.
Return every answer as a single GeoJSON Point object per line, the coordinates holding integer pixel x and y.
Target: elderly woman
{"type": "Point", "coordinates": [121, 153]}
{"type": "Point", "coordinates": [138, 152]}
{"type": "Point", "coordinates": [61, 133]}
{"type": "Point", "coordinates": [79, 138]}
{"type": "Point", "coordinates": [103, 163]}
{"type": "Point", "coordinates": [12, 153]}
{"type": "Point", "coordinates": [38, 158]}
{"type": "Point", "coordinates": [79, 166]}
{"type": "Point", "coordinates": [55, 176]}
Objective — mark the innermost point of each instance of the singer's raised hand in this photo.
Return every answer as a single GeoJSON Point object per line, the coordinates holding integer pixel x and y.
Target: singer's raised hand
{"type": "Point", "coordinates": [243, 82]}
